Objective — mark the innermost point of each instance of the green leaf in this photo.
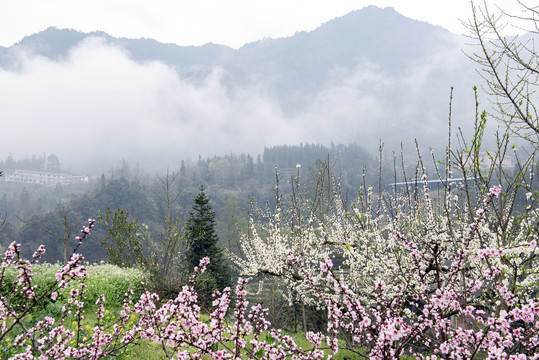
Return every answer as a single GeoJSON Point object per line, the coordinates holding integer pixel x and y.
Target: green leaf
{"type": "Point", "coordinates": [270, 339]}
{"type": "Point", "coordinates": [260, 352]}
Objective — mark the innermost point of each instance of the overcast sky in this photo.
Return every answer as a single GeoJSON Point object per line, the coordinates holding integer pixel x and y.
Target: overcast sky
{"type": "Point", "coordinates": [196, 22]}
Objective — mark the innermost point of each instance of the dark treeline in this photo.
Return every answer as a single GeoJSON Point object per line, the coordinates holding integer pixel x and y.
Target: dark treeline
{"type": "Point", "coordinates": [52, 215]}
{"type": "Point", "coordinates": [288, 156]}
{"type": "Point", "coordinates": [49, 163]}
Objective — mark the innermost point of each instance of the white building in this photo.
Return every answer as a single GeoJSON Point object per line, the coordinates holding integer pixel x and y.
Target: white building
{"type": "Point", "coordinates": [41, 177]}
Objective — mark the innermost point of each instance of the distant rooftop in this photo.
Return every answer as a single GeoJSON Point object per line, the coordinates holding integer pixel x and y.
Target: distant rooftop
{"type": "Point", "coordinates": [41, 177]}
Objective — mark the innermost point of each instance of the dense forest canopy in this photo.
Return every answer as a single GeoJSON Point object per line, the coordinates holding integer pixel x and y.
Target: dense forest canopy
{"type": "Point", "coordinates": [233, 181]}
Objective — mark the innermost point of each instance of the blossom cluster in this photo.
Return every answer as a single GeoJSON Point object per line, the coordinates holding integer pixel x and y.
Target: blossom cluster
{"type": "Point", "coordinates": [432, 320]}
{"type": "Point", "coordinates": [461, 306]}
{"type": "Point", "coordinates": [413, 269]}
{"type": "Point", "coordinates": [177, 324]}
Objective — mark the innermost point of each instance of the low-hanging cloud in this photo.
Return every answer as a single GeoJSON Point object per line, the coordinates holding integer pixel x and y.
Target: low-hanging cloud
{"type": "Point", "coordinates": [369, 105]}
{"type": "Point", "coordinates": [97, 106]}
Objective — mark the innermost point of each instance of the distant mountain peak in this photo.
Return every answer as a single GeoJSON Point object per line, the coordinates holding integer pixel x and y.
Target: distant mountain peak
{"type": "Point", "coordinates": [378, 17]}
{"type": "Point", "coordinates": [378, 34]}
{"type": "Point", "coordinates": [376, 9]}
{"type": "Point", "coordinates": [368, 74]}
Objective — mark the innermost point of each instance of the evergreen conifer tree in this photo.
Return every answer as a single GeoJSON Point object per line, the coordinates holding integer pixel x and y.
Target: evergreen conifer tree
{"type": "Point", "coordinates": [202, 241]}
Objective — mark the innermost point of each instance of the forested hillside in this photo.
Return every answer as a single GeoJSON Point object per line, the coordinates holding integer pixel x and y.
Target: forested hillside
{"type": "Point", "coordinates": [232, 182]}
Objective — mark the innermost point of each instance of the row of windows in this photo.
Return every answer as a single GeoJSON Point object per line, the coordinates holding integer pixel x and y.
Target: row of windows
{"type": "Point", "coordinates": [38, 177]}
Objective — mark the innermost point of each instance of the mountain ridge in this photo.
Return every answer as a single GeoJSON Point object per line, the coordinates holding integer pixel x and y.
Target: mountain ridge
{"type": "Point", "coordinates": [371, 10]}
{"type": "Point", "coordinates": [369, 74]}
{"type": "Point", "coordinates": [369, 22]}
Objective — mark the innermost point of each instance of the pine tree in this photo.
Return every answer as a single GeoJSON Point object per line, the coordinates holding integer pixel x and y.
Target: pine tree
{"type": "Point", "coordinates": [202, 241]}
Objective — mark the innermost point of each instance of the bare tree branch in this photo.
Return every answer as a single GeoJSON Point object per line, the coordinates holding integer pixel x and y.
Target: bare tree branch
{"type": "Point", "coordinates": [510, 67]}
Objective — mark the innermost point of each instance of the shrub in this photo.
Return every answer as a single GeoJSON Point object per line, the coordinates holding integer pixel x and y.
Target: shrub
{"type": "Point", "coordinates": [103, 279]}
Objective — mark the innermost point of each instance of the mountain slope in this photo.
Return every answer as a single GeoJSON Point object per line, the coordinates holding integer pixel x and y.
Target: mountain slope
{"type": "Point", "coordinates": [381, 36]}
{"type": "Point", "coordinates": [369, 75]}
